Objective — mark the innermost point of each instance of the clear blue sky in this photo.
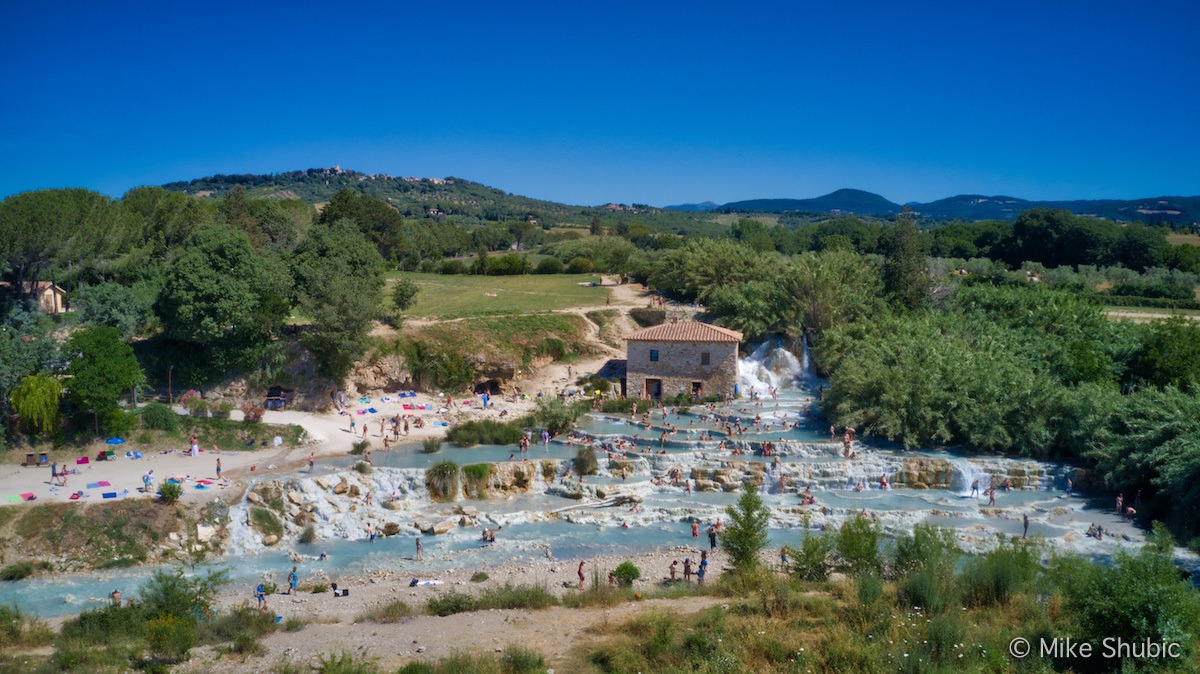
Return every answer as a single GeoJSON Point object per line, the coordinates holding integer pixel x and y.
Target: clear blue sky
{"type": "Point", "coordinates": [587, 103]}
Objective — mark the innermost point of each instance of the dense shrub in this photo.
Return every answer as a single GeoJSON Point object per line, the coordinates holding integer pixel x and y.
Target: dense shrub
{"type": "Point", "coordinates": [550, 265]}
{"type": "Point", "coordinates": [580, 265]}
{"type": "Point", "coordinates": [171, 491]}
{"type": "Point", "coordinates": [627, 572]}
{"type": "Point", "coordinates": [485, 432]}
{"type": "Point", "coordinates": [431, 445]}
{"type": "Point", "coordinates": [645, 317]}
{"type": "Point", "coordinates": [159, 417]}
{"type": "Point", "coordinates": [857, 542]}
{"type": "Point", "coordinates": [993, 578]}
{"type": "Point", "coordinates": [585, 462]}
{"type": "Point", "coordinates": [452, 267]}
{"type": "Point", "coordinates": [17, 571]}
{"type": "Point", "coordinates": [442, 480]}
{"type": "Point", "coordinates": [170, 637]}
{"type": "Point", "coordinates": [928, 547]}
{"type": "Point", "coordinates": [811, 560]}
{"type": "Point", "coordinates": [746, 533]}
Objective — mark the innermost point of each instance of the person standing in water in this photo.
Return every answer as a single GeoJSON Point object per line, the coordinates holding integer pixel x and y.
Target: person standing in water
{"type": "Point", "coordinates": [1025, 524]}
{"type": "Point", "coordinates": [419, 557]}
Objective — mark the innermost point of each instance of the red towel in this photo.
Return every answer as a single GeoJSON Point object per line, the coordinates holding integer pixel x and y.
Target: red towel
{"type": "Point", "coordinates": [74, 497]}
{"type": "Point", "coordinates": [82, 460]}
{"type": "Point", "coordinates": [28, 496]}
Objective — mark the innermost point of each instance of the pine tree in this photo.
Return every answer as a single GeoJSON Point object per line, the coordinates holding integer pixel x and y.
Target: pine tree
{"type": "Point", "coordinates": [746, 534]}
{"type": "Point", "coordinates": [905, 273]}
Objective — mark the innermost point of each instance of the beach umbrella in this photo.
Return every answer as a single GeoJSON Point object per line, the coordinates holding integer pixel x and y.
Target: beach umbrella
{"type": "Point", "coordinates": [115, 441]}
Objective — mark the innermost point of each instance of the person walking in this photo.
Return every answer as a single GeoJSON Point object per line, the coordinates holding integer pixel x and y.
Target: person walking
{"type": "Point", "coordinates": [1025, 525]}
{"type": "Point", "coordinates": [293, 580]}
{"type": "Point", "coordinates": [703, 567]}
{"type": "Point", "coordinates": [712, 536]}
{"type": "Point", "coordinates": [581, 575]}
{"type": "Point", "coordinates": [218, 468]}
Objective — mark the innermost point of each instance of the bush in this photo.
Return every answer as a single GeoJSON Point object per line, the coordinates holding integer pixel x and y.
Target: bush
{"type": "Point", "coordinates": [479, 577]}
{"type": "Point", "coordinates": [159, 417]}
{"type": "Point", "coordinates": [450, 603]}
{"type": "Point", "coordinates": [442, 480]}
{"type": "Point", "coordinates": [108, 624]}
{"type": "Point", "coordinates": [246, 643]}
{"type": "Point", "coordinates": [945, 633]}
{"type": "Point", "coordinates": [811, 559]}
{"type": "Point", "coordinates": [506, 596]}
{"type": "Point", "coordinates": [392, 612]}
{"type": "Point", "coordinates": [475, 479]}
{"type": "Point", "coordinates": [870, 589]}
{"type": "Point", "coordinates": [928, 547]}
{"type": "Point", "coordinates": [452, 267]}
{"type": "Point", "coordinates": [518, 660]}
{"type": "Point", "coordinates": [627, 572]}
{"type": "Point", "coordinates": [857, 542]}
{"type": "Point", "coordinates": [309, 535]}
{"type": "Point", "coordinates": [925, 589]}
{"type": "Point", "coordinates": [171, 491]}
{"type": "Point", "coordinates": [585, 462]}
{"type": "Point", "coordinates": [580, 265]}
{"type": "Point", "coordinates": [16, 571]}
{"type": "Point", "coordinates": [557, 416]}
{"type": "Point", "coordinates": [550, 265]}
{"type": "Point", "coordinates": [994, 578]}
{"type": "Point", "coordinates": [345, 663]}
{"type": "Point", "coordinates": [318, 588]}
{"type": "Point", "coordinates": [647, 317]}
{"type": "Point", "coordinates": [485, 432]}
{"type": "Point", "coordinates": [431, 445]}
{"type": "Point", "coordinates": [171, 637]}
{"type": "Point", "coordinates": [363, 468]}
{"type": "Point", "coordinates": [265, 522]}
{"type": "Point", "coordinates": [119, 423]}
{"type": "Point", "coordinates": [20, 629]}
{"type": "Point", "coordinates": [359, 447]}
{"type": "Point", "coordinates": [553, 347]}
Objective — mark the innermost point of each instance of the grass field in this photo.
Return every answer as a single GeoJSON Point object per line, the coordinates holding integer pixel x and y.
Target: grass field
{"type": "Point", "coordinates": [460, 296]}
{"type": "Point", "coordinates": [1179, 239]}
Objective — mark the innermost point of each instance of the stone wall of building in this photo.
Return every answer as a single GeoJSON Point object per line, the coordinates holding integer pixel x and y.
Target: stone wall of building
{"type": "Point", "coordinates": [679, 366]}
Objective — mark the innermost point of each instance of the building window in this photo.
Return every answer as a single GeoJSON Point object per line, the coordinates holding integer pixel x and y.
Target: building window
{"type": "Point", "coordinates": [653, 355]}
{"type": "Point", "coordinates": [704, 358]}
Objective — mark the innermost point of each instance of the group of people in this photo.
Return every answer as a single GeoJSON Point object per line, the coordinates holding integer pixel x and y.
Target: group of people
{"type": "Point", "coordinates": [700, 571]}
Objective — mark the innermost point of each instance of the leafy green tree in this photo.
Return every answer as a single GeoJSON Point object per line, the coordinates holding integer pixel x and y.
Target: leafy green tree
{"type": "Point", "coordinates": [26, 348]}
{"type": "Point", "coordinates": [114, 305]}
{"type": "Point", "coordinates": [746, 533]}
{"type": "Point", "coordinates": [905, 264]}
{"type": "Point", "coordinates": [224, 297]}
{"type": "Point", "coordinates": [404, 296]}
{"type": "Point", "coordinates": [339, 284]}
{"type": "Point", "coordinates": [37, 400]}
{"type": "Point", "coordinates": [596, 229]}
{"type": "Point", "coordinates": [101, 368]}
{"type": "Point", "coordinates": [832, 288]}
{"type": "Point", "coordinates": [1171, 354]}
{"type": "Point", "coordinates": [753, 233]}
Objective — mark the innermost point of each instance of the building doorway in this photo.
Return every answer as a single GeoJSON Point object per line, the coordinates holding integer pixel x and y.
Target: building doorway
{"type": "Point", "coordinates": [698, 389]}
{"type": "Point", "coordinates": [654, 389]}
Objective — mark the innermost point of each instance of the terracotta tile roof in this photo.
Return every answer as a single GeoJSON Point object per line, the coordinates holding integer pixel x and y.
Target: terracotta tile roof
{"type": "Point", "coordinates": [684, 331]}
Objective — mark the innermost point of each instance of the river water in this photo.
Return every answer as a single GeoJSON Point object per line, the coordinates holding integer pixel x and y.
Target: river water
{"type": "Point", "coordinates": [547, 520]}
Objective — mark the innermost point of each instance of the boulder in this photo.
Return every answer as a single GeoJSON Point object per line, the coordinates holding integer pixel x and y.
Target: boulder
{"type": "Point", "coordinates": [173, 536]}
{"type": "Point", "coordinates": [341, 487]}
{"type": "Point", "coordinates": [469, 511]}
{"type": "Point", "coordinates": [302, 518]}
{"type": "Point", "coordinates": [355, 491]}
{"type": "Point", "coordinates": [254, 498]}
{"type": "Point", "coordinates": [391, 529]}
{"type": "Point", "coordinates": [294, 497]}
{"type": "Point", "coordinates": [393, 505]}
{"type": "Point", "coordinates": [205, 533]}
{"type": "Point", "coordinates": [443, 527]}
{"type": "Point", "coordinates": [322, 483]}
{"type": "Point", "coordinates": [270, 539]}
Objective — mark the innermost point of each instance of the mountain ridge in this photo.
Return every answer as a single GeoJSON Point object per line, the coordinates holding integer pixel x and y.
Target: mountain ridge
{"type": "Point", "coordinates": [419, 197]}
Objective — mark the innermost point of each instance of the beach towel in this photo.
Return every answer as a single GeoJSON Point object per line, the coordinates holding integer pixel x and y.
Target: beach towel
{"type": "Point", "coordinates": [75, 496]}
{"type": "Point", "coordinates": [424, 583]}
{"type": "Point", "coordinates": [362, 411]}
{"type": "Point", "coordinates": [372, 410]}
{"type": "Point", "coordinates": [364, 400]}
{"type": "Point", "coordinates": [172, 480]}
{"type": "Point", "coordinates": [95, 485]}
{"type": "Point", "coordinates": [204, 481]}
{"type": "Point", "coordinates": [82, 460]}
{"type": "Point", "coordinates": [422, 407]}
{"type": "Point", "coordinates": [138, 455]}
{"type": "Point", "coordinates": [12, 499]}
{"type": "Point", "coordinates": [385, 399]}
{"type": "Point", "coordinates": [28, 496]}
{"type": "Point", "coordinates": [104, 483]}
{"type": "Point", "coordinates": [201, 486]}
{"type": "Point", "coordinates": [407, 406]}
{"type": "Point", "coordinates": [467, 402]}
{"type": "Point", "coordinates": [110, 494]}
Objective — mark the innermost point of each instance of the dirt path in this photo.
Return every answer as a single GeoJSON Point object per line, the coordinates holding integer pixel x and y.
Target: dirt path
{"type": "Point", "coordinates": [1147, 315]}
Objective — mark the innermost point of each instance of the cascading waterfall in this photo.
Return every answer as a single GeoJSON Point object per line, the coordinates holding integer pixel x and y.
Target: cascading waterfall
{"type": "Point", "coordinates": [768, 366]}
{"type": "Point", "coordinates": [967, 472]}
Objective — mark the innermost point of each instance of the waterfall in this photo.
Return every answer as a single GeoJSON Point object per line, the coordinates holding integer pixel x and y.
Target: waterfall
{"type": "Point", "coordinates": [242, 539]}
{"type": "Point", "coordinates": [808, 377]}
{"type": "Point", "coordinates": [967, 472]}
{"type": "Point", "coordinates": [768, 366]}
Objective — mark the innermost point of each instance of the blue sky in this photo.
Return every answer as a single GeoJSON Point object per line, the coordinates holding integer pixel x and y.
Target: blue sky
{"type": "Point", "coordinates": [587, 103]}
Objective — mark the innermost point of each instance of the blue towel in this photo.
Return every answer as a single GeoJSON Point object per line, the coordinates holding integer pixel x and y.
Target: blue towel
{"type": "Point", "coordinates": [110, 494]}
{"type": "Point", "coordinates": [372, 410]}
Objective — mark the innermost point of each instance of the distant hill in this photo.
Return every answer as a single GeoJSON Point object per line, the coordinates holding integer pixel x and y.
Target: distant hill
{"type": "Point", "coordinates": [841, 201]}
{"type": "Point", "coordinates": [1185, 210]}
{"type": "Point", "coordinates": [703, 206]}
{"type": "Point", "coordinates": [466, 201]}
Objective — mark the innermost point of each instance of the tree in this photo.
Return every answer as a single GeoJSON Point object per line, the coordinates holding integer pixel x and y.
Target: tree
{"type": "Point", "coordinates": [905, 275]}
{"type": "Point", "coordinates": [115, 305]}
{"type": "Point", "coordinates": [224, 297]}
{"type": "Point", "coordinates": [746, 533]}
{"type": "Point", "coordinates": [404, 295]}
{"type": "Point", "coordinates": [101, 368]}
{"type": "Point", "coordinates": [339, 284]}
{"type": "Point", "coordinates": [596, 229]}
{"type": "Point", "coordinates": [37, 400]}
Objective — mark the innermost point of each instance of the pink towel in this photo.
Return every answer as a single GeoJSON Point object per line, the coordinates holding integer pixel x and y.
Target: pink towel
{"type": "Point", "coordinates": [362, 411]}
{"type": "Point", "coordinates": [82, 460]}
{"type": "Point", "coordinates": [407, 406]}
{"type": "Point", "coordinates": [28, 496]}
{"type": "Point", "coordinates": [104, 483]}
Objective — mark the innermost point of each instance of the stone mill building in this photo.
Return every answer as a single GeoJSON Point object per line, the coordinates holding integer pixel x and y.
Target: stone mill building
{"type": "Point", "coordinates": [682, 357]}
